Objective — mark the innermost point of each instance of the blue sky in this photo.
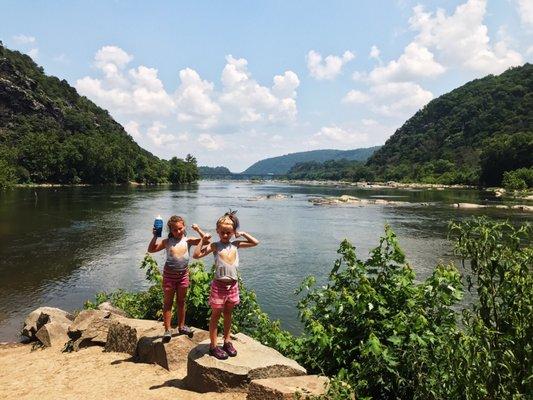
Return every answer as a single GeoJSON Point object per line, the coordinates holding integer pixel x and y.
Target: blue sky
{"type": "Point", "coordinates": [234, 82]}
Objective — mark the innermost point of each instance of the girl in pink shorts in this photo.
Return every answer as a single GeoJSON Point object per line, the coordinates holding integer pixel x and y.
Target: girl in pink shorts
{"type": "Point", "coordinates": [224, 293]}
{"type": "Point", "coordinates": [175, 272]}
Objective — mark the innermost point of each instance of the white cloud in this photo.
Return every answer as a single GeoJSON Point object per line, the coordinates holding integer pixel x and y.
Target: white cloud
{"type": "Point", "coordinates": [397, 99]}
{"type": "Point", "coordinates": [248, 102]}
{"type": "Point", "coordinates": [33, 53]}
{"type": "Point", "coordinates": [525, 10]}
{"type": "Point", "coordinates": [356, 97]}
{"type": "Point", "coordinates": [194, 100]}
{"type": "Point", "coordinates": [157, 137]}
{"type": "Point", "coordinates": [24, 39]}
{"type": "Point", "coordinates": [209, 142]}
{"type": "Point", "coordinates": [461, 39]}
{"type": "Point", "coordinates": [391, 99]}
{"type": "Point", "coordinates": [132, 127]}
{"type": "Point", "coordinates": [328, 68]}
{"type": "Point", "coordinates": [374, 53]}
{"type": "Point", "coordinates": [415, 62]}
{"type": "Point", "coordinates": [368, 122]}
{"type": "Point", "coordinates": [335, 136]}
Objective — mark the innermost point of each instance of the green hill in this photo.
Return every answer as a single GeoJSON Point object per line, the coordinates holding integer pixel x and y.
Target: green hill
{"type": "Point", "coordinates": [214, 172]}
{"type": "Point", "coordinates": [50, 134]}
{"type": "Point", "coordinates": [474, 134]}
{"type": "Point", "coordinates": [282, 164]}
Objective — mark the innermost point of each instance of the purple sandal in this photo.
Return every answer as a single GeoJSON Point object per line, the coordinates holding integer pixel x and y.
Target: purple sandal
{"type": "Point", "coordinates": [228, 348]}
{"type": "Point", "coordinates": [218, 353]}
{"type": "Point", "coordinates": [185, 330]}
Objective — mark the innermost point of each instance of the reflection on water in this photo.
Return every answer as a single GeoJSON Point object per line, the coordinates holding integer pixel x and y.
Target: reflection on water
{"type": "Point", "coordinates": [59, 246]}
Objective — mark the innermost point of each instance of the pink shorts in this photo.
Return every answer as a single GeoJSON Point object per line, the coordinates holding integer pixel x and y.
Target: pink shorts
{"type": "Point", "coordinates": [223, 292]}
{"type": "Point", "coordinates": [172, 280]}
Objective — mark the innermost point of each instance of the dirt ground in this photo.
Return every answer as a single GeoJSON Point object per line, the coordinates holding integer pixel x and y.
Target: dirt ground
{"type": "Point", "coordinates": [88, 374]}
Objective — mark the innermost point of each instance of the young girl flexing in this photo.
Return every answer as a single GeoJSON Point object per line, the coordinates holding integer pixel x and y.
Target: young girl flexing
{"type": "Point", "coordinates": [176, 271]}
{"type": "Point", "coordinates": [225, 287]}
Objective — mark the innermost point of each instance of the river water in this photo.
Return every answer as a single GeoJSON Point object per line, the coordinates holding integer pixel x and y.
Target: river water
{"type": "Point", "coordinates": [60, 246]}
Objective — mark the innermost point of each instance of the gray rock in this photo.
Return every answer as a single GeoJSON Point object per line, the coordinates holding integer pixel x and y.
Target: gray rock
{"type": "Point", "coordinates": [254, 361]}
{"type": "Point", "coordinates": [287, 388]}
{"type": "Point", "coordinates": [107, 306]}
{"type": "Point", "coordinates": [171, 355]}
{"type": "Point", "coordinates": [90, 328]}
{"type": "Point", "coordinates": [53, 334]}
{"type": "Point", "coordinates": [41, 316]}
{"type": "Point", "coordinates": [124, 334]}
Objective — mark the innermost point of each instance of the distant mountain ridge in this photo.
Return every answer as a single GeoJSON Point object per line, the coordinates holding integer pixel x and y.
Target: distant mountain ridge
{"type": "Point", "coordinates": [282, 164]}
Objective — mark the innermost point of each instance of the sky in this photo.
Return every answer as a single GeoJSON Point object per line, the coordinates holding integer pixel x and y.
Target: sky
{"type": "Point", "coordinates": [234, 82]}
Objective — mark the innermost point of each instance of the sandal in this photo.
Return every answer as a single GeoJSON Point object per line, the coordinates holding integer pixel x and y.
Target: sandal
{"type": "Point", "coordinates": [218, 353]}
{"type": "Point", "coordinates": [185, 330]}
{"type": "Point", "coordinates": [167, 336]}
{"type": "Point", "coordinates": [228, 348]}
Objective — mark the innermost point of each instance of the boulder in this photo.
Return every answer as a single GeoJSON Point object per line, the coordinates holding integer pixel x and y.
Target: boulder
{"type": "Point", "coordinates": [287, 388]}
{"type": "Point", "coordinates": [41, 316]}
{"type": "Point", "coordinates": [254, 361]}
{"type": "Point", "coordinates": [107, 306]}
{"type": "Point", "coordinates": [53, 334]}
{"type": "Point", "coordinates": [90, 328]}
{"type": "Point", "coordinates": [124, 334]}
{"type": "Point", "coordinates": [468, 205]}
{"type": "Point", "coordinates": [171, 355]}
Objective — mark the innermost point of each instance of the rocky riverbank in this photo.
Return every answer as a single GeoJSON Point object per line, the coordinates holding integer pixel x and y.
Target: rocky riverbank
{"type": "Point", "coordinates": [104, 354]}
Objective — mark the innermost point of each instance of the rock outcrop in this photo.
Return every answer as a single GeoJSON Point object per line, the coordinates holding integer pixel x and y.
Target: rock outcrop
{"type": "Point", "coordinates": [254, 361]}
{"type": "Point", "coordinates": [172, 355]}
{"type": "Point", "coordinates": [42, 316]}
{"type": "Point", "coordinates": [287, 388]}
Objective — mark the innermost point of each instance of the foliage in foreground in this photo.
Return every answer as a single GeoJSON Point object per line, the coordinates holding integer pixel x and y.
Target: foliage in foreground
{"type": "Point", "coordinates": [380, 334]}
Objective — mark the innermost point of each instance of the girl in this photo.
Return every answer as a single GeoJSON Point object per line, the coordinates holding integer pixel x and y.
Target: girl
{"type": "Point", "coordinates": [224, 288]}
{"type": "Point", "coordinates": [176, 271]}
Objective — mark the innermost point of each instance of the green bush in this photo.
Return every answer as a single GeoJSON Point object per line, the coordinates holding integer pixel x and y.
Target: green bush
{"type": "Point", "coordinates": [519, 179]}
{"type": "Point", "coordinates": [375, 329]}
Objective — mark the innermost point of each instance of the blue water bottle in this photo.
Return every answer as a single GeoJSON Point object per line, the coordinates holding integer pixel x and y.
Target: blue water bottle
{"type": "Point", "coordinates": [158, 226]}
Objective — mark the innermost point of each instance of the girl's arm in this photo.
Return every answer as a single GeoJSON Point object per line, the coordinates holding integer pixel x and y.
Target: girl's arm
{"type": "Point", "coordinates": [153, 246]}
{"type": "Point", "coordinates": [249, 242]}
{"type": "Point", "coordinates": [201, 250]}
{"type": "Point", "coordinates": [204, 237]}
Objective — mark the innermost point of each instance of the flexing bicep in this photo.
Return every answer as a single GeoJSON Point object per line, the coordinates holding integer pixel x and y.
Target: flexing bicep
{"type": "Point", "coordinates": [158, 246]}
{"type": "Point", "coordinates": [204, 250]}
{"type": "Point", "coordinates": [241, 244]}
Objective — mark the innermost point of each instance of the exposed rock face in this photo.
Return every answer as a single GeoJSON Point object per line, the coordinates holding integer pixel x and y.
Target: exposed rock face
{"type": "Point", "coordinates": [287, 388]}
{"type": "Point", "coordinates": [124, 334]}
{"type": "Point", "coordinates": [41, 316]}
{"type": "Point", "coordinates": [90, 328]}
{"type": "Point", "coordinates": [53, 334]}
{"type": "Point", "coordinates": [254, 361]}
{"type": "Point", "coordinates": [171, 355]}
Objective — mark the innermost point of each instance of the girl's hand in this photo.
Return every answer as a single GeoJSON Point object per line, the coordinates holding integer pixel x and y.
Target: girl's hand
{"type": "Point", "coordinates": [206, 238]}
{"type": "Point", "coordinates": [239, 234]}
{"type": "Point", "coordinates": [195, 227]}
{"type": "Point", "coordinates": [154, 232]}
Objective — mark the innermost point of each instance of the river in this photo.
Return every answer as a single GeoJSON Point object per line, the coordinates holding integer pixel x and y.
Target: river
{"type": "Point", "coordinates": [60, 246]}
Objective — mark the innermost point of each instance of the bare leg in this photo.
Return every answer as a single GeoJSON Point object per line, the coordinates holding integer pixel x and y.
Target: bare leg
{"type": "Point", "coordinates": [168, 300]}
{"type": "Point", "coordinates": [228, 309]}
{"type": "Point", "coordinates": [213, 322]}
{"type": "Point", "coordinates": [181, 293]}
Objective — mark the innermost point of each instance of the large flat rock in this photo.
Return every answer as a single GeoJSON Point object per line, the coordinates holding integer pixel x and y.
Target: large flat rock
{"type": "Point", "coordinates": [287, 388]}
{"type": "Point", "coordinates": [254, 361]}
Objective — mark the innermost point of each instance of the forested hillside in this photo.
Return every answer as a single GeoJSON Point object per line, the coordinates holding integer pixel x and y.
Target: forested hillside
{"type": "Point", "coordinates": [474, 134]}
{"type": "Point", "coordinates": [50, 134]}
{"type": "Point", "coordinates": [282, 164]}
